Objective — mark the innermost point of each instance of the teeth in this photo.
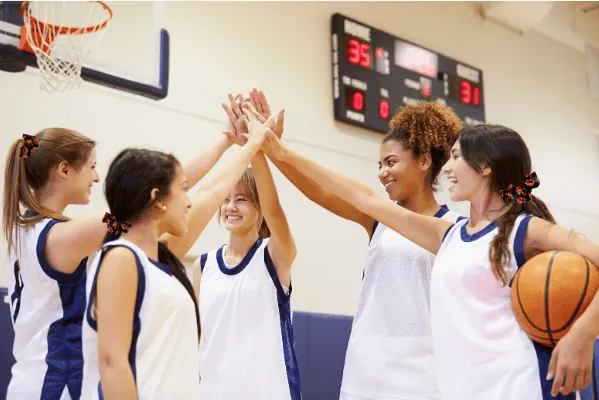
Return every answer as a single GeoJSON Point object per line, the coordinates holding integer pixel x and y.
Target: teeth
{"type": "Point", "coordinates": [233, 217]}
{"type": "Point", "coordinates": [389, 184]}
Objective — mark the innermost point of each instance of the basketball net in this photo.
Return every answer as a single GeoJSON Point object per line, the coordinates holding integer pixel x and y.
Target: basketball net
{"type": "Point", "coordinates": [61, 34]}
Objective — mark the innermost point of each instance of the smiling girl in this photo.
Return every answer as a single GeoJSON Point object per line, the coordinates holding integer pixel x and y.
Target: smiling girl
{"type": "Point", "coordinates": [480, 351]}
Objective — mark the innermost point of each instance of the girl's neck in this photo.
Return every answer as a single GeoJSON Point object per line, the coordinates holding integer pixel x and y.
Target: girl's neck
{"type": "Point", "coordinates": [52, 200]}
{"type": "Point", "coordinates": [486, 207]}
{"type": "Point", "coordinates": [422, 203]}
{"type": "Point", "coordinates": [144, 234]}
{"type": "Point", "coordinates": [240, 243]}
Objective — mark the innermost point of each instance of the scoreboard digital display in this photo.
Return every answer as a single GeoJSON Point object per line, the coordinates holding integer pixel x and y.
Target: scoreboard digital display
{"type": "Point", "coordinates": [375, 73]}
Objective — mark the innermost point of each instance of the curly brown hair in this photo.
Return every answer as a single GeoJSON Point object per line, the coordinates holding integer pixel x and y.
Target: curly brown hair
{"type": "Point", "coordinates": [423, 128]}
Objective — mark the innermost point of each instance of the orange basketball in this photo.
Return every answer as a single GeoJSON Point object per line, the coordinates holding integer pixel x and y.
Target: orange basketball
{"type": "Point", "coordinates": [550, 291]}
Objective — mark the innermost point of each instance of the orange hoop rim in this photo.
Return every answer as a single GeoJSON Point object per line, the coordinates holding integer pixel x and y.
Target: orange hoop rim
{"type": "Point", "coordinates": [65, 30]}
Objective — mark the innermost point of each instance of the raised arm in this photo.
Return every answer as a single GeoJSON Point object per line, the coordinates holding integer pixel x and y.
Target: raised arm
{"type": "Point", "coordinates": [69, 242]}
{"type": "Point", "coordinates": [281, 245]}
{"type": "Point", "coordinates": [203, 163]}
{"type": "Point", "coordinates": [572, 359]}
{"type": "Point", "coordinates": [317, 194]}
{"type": "Point", "coordinates": [211, 194]}
{"type": "Point", "coordinates": [425, 231]}
{"type": "Point", "coordinates": [115, 297]}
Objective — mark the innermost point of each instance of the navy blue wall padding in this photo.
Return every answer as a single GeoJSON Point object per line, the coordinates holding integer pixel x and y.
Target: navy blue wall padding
{"type": "Point", "coordinates": [320, 344]}
{"type": "Point", "coordinates": [6, 339]}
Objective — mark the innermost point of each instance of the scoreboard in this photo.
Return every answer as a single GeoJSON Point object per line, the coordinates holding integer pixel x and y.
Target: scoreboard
{"type": "Point", "coordinates": [375, 74]}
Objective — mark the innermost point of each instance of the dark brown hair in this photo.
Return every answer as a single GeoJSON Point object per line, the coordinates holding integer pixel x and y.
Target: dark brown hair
{"type": "Point", "coordinates": [247, 187]}
{"type": "Point", "coordinates": [426, 128]}
{"type": "Point", "coordinates": [505, 153]}
{"type": "Point", "coordinates": [132, 176]}
{"type": "Point", "coordinates": [23, 176]}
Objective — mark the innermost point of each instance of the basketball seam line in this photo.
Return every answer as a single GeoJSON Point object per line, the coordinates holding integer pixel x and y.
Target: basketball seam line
{"type": "Point", "coordinates": [547, 281]}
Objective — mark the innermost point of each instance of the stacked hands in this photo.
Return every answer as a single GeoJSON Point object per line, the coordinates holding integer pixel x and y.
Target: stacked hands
{"type": "Point", "coordinates": [251, 120]}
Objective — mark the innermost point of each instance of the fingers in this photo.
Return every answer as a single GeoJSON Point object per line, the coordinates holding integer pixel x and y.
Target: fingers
{"type": "Point", "coordinates": [558, 381]}
{"type": "Point", "coordinates": [232, 117]}
{"type": "Point", "coordinates": [263, 103]}
{"type": "Point", "coordinates": [255, 101]}
{"type": "Point", "coordinates": [586, 381]}
{"type": "Point", "coordinates": [570, 381]}
{"type": "Point", "coordinates": [235, 105]}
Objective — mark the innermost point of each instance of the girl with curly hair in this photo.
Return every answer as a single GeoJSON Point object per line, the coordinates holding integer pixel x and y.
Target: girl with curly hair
{"type": "Point", "coordinates": [390, 351]}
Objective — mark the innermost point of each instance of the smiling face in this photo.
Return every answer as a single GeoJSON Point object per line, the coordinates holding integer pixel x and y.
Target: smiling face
{"type": "Point", "coordinates": [177, 203]}
{"type": "Point", "coordinates": [78, 186]}
{"type": "Point", "coordinates": [464, 180]}
{"type": "Point", "coordinates": [400, 172]}
{"type": "Point", "coordinates": [240, 212]}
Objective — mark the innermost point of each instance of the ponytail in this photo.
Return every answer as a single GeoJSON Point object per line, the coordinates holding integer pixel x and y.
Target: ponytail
{"type": "Point", "coordinates": [500, 252]}
{"type": "Point", "coordinates": [18, 190]}
{"type": "Point", "coordinates": [165, 256]}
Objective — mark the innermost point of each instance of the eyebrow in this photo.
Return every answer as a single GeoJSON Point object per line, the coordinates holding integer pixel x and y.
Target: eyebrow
{"type": "Point", "coordinates": [388, 157]}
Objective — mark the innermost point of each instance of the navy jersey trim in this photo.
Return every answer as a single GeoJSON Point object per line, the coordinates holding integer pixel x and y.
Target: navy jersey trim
{"type": "Point", "coordinates": [58, 276]}
{"type": "Point", "coordinates": [203, 259]}
{"type": "Point", "coordinates": [167, 269]}
{"type": "Point", "coordinates": [442, 211]}
{"type": "Point", "coordinates": [447, 232]}
{"type": "Point", "coordinates": [466, 237]}
{"type": "Point", "coordinates": [241, 266]}
{"type": "Point", "coordinates": [65, 352]}
{"type": "Point", "coordinates": [141, 289]}
{"type": "Point", "coordinates": [284, 306]}
{"type": "Point", "coordinates": [519, 241]}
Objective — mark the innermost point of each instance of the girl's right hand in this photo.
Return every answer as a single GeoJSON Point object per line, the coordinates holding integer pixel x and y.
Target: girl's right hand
{"type": "Point", "coordinates": [257, 130]}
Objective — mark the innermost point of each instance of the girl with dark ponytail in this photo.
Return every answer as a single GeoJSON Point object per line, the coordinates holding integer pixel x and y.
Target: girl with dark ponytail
{"type": "Point", "coordinates": [141, 327]}
{"type": "Point", "coordinates": [48, 254]}
{"type": "Point", "coordinates": [480, 350]}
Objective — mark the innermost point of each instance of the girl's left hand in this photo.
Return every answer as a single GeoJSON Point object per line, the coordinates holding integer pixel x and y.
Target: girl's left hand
{"type": "Point", "coordinates": [572, 362]}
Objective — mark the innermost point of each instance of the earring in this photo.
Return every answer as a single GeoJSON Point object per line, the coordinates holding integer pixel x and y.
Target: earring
{"type": "Point", "coordinates": [163, 207]}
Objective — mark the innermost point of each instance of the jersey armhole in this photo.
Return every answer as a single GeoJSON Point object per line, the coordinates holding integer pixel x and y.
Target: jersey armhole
{"type": "Point", "coordinates": [203, 259]}
{"type": "Point", "coordinates": [376, 223]}
{"type": "Point", "coordinates": [59, 277]}
{"type": "Point", "coordinates": [447, 232]}
{"type": "Point", "coordinates": [141, 289]}
{"type": "Point", "coordinates": [519, 241]}
{"type": "Point", "coordinates": [270, 267]}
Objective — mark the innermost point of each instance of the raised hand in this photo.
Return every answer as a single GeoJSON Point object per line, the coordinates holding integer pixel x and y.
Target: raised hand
{"type": "Point", "coordinates": [258, 100]}
{"type": "Point", "coordinates": [237, 125]}
{"type": "Point", "coordinates": [257, 131]}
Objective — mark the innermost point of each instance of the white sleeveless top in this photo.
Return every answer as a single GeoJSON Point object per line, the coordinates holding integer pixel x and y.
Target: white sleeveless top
{"type": "Point", "coordinates": [480, 350]}
{"type": "Point", "coordinates": [390, 355]}
{"type": "Point", "coordinates": [47, 309]}
{"type": "Point", "coordinates": [164, 346]}
{"type": "Point", "coordinates": [247, 347]}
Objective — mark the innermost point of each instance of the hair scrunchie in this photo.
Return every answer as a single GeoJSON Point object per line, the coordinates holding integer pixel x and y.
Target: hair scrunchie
{"type": "Point", "coordinates": [522, 192]}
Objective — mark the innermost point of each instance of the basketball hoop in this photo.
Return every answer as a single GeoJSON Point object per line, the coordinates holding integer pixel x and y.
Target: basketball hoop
{"type": "Point", "coordinates": [61, 35]}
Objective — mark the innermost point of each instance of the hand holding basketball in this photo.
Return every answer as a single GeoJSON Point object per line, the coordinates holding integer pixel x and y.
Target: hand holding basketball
{"type": "Point", "coordinates": [572, 362]}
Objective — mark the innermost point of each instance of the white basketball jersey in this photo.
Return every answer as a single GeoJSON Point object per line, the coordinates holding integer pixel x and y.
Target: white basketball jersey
{"type": "Point", "coordinates": [480, 351]}
{"type": "Point", "coordinates": [247, 349]}
{"type": "Point", "coordinates": [390, 355]}
{"type": "Point", "coordinates": [164, 347]}
{"type": "Point", "coordinates": [47, 309]}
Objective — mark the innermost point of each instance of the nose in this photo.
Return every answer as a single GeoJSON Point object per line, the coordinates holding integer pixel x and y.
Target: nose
{"type": "Point", "coordinates": [231, 206]}
{"type": "Point", "coordinates": [383, 173]}
{"type": "Point", "coordinates": [97, 177]}
{"type": "Point", "coordinates": [447, 167]}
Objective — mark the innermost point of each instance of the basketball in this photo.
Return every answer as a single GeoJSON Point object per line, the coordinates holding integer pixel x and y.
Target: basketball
{"type": "Point", "coordinates": [550, 291]}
